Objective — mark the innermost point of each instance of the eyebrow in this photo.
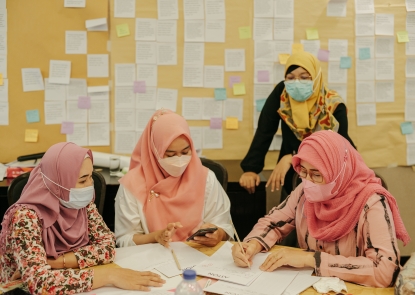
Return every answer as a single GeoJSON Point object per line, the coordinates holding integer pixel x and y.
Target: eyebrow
{"type": "Point", "coordinates": [314, 170]}
{"type": "Point", "coordinates": [169, 151]}
{"type": "Point", "coordinates": [84, 176]}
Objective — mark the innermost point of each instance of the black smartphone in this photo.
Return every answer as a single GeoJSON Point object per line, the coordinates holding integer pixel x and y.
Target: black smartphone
{"type": "Point", "coordinates": [202, 232]}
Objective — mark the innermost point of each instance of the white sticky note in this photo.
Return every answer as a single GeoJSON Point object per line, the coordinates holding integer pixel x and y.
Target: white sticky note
{"type": "Point", "coordinates": [97, 24]}
{"type": "Point", "coordinates": [124, 8]}
{"type": "Point", "coordinates": [75, 42]}
{"type": "Point", "coordinates": [32, 79]}
{"type": "Point", "coordinates": [98, 65]}
{"type": "Point", "coordinates": [59, 72]}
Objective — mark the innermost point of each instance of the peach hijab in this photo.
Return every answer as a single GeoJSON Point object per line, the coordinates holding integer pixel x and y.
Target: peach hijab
{"type": "Point", "coordinates": [179, 198]}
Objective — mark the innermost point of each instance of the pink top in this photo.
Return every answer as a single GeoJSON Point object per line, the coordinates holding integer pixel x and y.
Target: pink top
{"type": "Point", "coordinates": [367, 255]}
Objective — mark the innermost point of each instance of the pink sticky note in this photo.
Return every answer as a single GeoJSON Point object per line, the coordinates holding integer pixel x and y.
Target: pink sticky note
{"type": "Point", "coordinates": [84, 102]}
{"type": "Point", "coordinates": [139, 86]}
{"type": "Point", "coordinates": [263, 76]}
{"type": "Point", "coordinates": [67, 127]}
{"type": "Point", "coordinates": [323, 55]}
{"type": "Point", "coordinates": [234, 79]}
{"type": "Point", "coordinates": [215, 123]}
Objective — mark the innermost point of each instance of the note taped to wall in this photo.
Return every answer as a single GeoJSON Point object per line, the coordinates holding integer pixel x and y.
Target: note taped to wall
{"type": "Point", "coordinates": [31, 135]}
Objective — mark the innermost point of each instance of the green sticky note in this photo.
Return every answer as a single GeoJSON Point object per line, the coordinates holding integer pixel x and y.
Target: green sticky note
{"type": "Point", "coordinates": [245, 33]}
{"type": "Point", "coordinates": [122, 30]}
{"type": "Point", "coordinates": [239, 89]}
{"type": "Point", "coordinates": [32, 116]}
{"type": "Point", "coordinates": [220, 93]}
{"type": "Point", "coordinates": [402, 37]}
{"type": "Point", "coordinates": [345, 62]}
{"type": "Point", "coordinates": [406, 128]}
{"type": "Point", "coordinates": [312, 34]}
{"type": "Point", "coordinates": [260, 104]}
{"type": "Point", "coordinates": [364, 53]}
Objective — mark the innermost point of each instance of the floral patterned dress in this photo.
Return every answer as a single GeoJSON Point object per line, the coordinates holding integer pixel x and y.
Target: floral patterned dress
{"type": "Point", "coordinates": [25, 253]}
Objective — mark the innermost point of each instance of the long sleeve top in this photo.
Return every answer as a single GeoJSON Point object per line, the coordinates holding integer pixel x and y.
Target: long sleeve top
{"type": "Point", "coordinates": [268, 123]}
{"type": "Point", "coordinates": [25, 253]}
{"type": "Point", "coordinates": [368, 255]}
{"type": "Point", "coordinates": [130, 218]}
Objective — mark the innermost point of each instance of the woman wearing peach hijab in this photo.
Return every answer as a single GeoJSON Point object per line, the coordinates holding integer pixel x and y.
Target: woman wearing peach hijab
{"type": "Point", "coordinates": [168, 194]}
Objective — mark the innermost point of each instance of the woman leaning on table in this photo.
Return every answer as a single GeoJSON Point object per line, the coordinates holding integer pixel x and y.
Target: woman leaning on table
{"type": "Point", "coordinates": [54, 233]}
{"type": "Point", "coordinates": [304, 105]}
{"type": "Point", "coordinates": [345, 220]}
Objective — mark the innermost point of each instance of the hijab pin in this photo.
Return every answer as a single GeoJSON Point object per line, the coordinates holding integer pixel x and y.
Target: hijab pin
{"type": "Point", "coordinates": [152, 195]}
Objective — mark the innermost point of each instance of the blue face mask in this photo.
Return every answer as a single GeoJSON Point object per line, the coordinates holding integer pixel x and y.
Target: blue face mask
{"type": "Point", "coordinates": [299, 91]}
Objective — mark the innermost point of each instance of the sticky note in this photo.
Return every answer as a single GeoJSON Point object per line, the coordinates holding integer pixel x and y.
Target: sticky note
{"type": "Point", "coordinates": [312, 34]}
{"type": "Point", "coordinates": [215, 123]}
{"type": "Point", "coordinates": [234, 79]}
{"type": "Point", "coordinates": [245, 33]}
{"type": "Point", "coordinates": [31, 135]}
{"type": "Point", "coordinates": [32, 116]}
{"type": "Point", "coordinates": [297, 47]}
{"type": "Point", "coordinates": [232, 123]}
{"type": "Point", "coordinates": [1, 79]}
{"type": "Point", "coordinates": [263, 76]}
{"type": "Point", "coordinates": [67, 127]}
{"type": "Point", "coordinates": [283, 57]}
{"type": "Point", "coordinates": [406, 128]}
{"type": "Point", "coordinates": [260, 104]}
{"type": "Point", "coordinates": [220, 93]}
{"type": "Point", "coordinates": [122, 30]}
{"type": "Point", "coordinates": [239, 89]}
{"type": "Point", "coordinates": [345, 62]}
{"type": "Point", "coordinates": [364, 53]}
{"type": "Point", "coordinates": [140, 87]}
{"type": "Point", "coordinates": [323, 55]}
{"type": "Point", "coordinates": [84, 102]}
{"type": "Point", "coordinates": [402, 37]}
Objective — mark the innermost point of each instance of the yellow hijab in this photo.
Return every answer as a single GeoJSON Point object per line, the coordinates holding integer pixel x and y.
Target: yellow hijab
{"type": "Point", "coordinates": [316, 113]}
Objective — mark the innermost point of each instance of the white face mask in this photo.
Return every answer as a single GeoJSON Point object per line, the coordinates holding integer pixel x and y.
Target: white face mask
{"type": "Point", "coordinates": [175, 166]}
{"type": "Point", "coordinates": [78, 197]}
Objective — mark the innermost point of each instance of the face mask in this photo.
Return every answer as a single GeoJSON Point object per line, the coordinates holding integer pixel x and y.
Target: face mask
{"type": "Point", "coordinates": [175, 166]}
{"type": "Point", "coordinates": [78, 197]}
{"type": "Point", "coordinates": [300, 91]}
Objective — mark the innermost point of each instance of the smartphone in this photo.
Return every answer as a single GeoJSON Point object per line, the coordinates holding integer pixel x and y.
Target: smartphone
{"type": "Point", "coordinates": [202, 232]}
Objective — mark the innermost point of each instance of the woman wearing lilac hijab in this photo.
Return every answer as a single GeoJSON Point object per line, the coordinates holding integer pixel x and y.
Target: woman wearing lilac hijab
{"type": "Point", "coordinates": [54, 233]}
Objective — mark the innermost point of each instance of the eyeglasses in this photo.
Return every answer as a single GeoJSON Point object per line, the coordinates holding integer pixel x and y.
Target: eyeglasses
{"type": "Point", "coordinates": [314, 175]}
{"type": "Point", "coordinates": [303, 79]}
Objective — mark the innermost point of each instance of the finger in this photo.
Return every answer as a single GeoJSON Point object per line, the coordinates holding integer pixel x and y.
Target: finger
{"type": "Point", "coordinates": [178, 225]}
{"type": "Point", "coordinates": [240, 262]}
{"type": "Point", "coordinates": [140, 288]}
{"type": "Point", "coordinates": [258, 180]}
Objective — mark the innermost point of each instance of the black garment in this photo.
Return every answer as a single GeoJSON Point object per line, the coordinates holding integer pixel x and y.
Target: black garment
{"type": "Point", "coordinates": [268, 126]}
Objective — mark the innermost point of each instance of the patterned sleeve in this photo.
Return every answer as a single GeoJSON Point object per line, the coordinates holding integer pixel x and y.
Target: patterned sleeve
{"type": "Point", "coordinates": [30, 256]}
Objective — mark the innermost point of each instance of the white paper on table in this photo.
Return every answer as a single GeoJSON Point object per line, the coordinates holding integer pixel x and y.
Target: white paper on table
{"type": "Point", "coordinates": [311, 46]}
{"type": "Point", "coordinates": [341, 89]}
{"type": "Point", "coordinates": [215, 9]}
{"type": "Point", "coordinates": [79, 135]}
{"type": "Point", "coordinates": [214, 77]}
{"type": "Point", "coordinates": [265, 51]}
{"type": "Point", "coordinates": [197, 136]}
{"type": "Point", "coordinates": [167, 31]}
{"type": "Point", "coordinates": [410, 154]}
{"type": "Point", "coordinates": [215, 30]}
{"type": "Point", "coordinates": [262, 91]}
{"type": "Point", "coordinates": [167, 98]}
{"type": "Point", "coordinates": [410, 22]}
{"type": "Point", "coordinates": [337, 48]}
{"type": "Point", "coordinates": [385, 46]}
{"type": "Point", "coordinates": [146, 52]}
{"type": "Point", "coordinates": [124, 74]}
{"type": "Point", "coordinates": [142, 118]}
{"type": "Point", "coordinates": [3, 65]}
{"type": "Point", "coordinates": [145, 29]}
{"type": "Point", "coordinates": [148, 100]}
{"type": "Point", "coordinates": [59, 71]}
{"type": "Point", "coordinates": [97, 24]}
{"type": "Point", "coordinates": [125, 142]}
{"type": "Point", "coordinates": [337, 8]}
{"type": "Point", "coordinates": [385, 69]}
{"type": "Point", "coordinates": [262, 29]}
{"type": "Point", "coordinates": [75, 114]}
{"type": "Point", "coordinates": [365, 25]}
{"type": "Point", "coordinates": [167, 9]}
{"type": "Point", "coordinates": [384, 24]}
{"type": "Point", "coordinates": [124, 119]}
{"type": "Point", "coordinates": [364, 6]}
{"type": "Point", "coordinates": [212, 108]}
{"type": "Point", "coordinates": [264, 8]}
{"type": "Point", "coordinates": [410, 89]}
{"type": "Point", "coordinates": [264, 66]}
{"type": "Point", "coordinates": [194, 31]}
{"type": "Point", "coordinates": [124, 97]}
{"type": "Point", "coordinates": [193, 9]}
{"type": "Point", "coordinates": [336, 74]}
{"type": "Point", "coordinates": [410, 46]}
{"type": "Point", "coordinates": [3, 35]}
{"type": "Point", "coordinates": [167, 54]}
{"type": "Point", "coordinates": [366, 114]}
{"type": "Point", "coordinates": [234, 60]}
{"type": "Point", "coordinates": [410, 110]}
{"type": "Point", "coordinates": [193, 75]}
{"type": "Point", "coordinates": [194, 54]}
{"type": "Point", "coordinates": [124, 8]}
{"type": "Point", "coordinates": [147, 73]}
{"type": "Point", "coordinates": [74, 3]}
{"type": "Point", "coordinates": [75, 42]}
{"type": "Point", "coordinates": [301, 282]}
{"type": "Point", "coordinates": [192, 108]}
{"type": "Point", "coordinates": [212, 139]}
{"type": "Point", "coordinates": [385, 91]}
{"type": "Point", "coordinates": [283, 28]}
{"type": "Point", "coordinates": [32, 79]}
{"type": "Point", "coordinates": [282, 46]}
{"type": "Point", "coordinates": [55, 112]}
{"type": "Point", "coordinates": [365, 42]}
{"type": "Point", "coordinates": [410, 5]}
{"type": "Point", "coordinates": [99, 111]}
{"type": "Point", "coordinates": [365, 91]}
{"type": "Point", "coordinates": [410, 67]}
{"type": "Point", "coordinates": [99, 134]}
{"type": "Point", "coordinates": [4, 91]}
{"type": "Point", "coordinates": [76, 88]}
{"type": "Point", "coordinates": [99, 90]}
{"type": "Point", "coordinates": [284, 8]}
{"type": "Point", "coordinates": [54, 91]}
{"type": "Point", "coordinates": [141, 257]}
{"type": "Point", "coordinates": [4, 113]}
{"type": "Point", "coordinates": [233, 107]}
{"type": "Point", "coordinates": [97, 65]}
{"type": "Point", "coordinates": [365, 70]}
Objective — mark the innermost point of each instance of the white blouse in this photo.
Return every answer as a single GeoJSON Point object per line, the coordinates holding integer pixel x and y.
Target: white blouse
{"type": "Point", "coordinates": [130, 218]}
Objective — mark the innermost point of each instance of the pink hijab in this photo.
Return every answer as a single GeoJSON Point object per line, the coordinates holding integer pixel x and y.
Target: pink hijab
{"type": "Point", "coordinates": [180, 198]}
{"type": "Point", "coordinates": [64, 229]}
{"type": "Point", "coordinates": [331, 220]}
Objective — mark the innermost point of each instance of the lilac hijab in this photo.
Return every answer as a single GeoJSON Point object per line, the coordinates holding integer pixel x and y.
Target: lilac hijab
{"type": "Point", "coordinates": [64, 229]}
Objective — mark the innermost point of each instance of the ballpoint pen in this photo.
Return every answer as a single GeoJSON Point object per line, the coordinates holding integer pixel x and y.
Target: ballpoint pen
{"type": "Point", "coordinates": [240, 244]}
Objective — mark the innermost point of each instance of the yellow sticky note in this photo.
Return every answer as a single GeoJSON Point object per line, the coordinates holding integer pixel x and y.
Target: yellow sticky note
{"type": "Point", "coordinates": [31, 135]}
{"type": "Point", "coordinates": [282, 57]}
{"type": "Point", "coordinates": [402, 37]}
{"type": "Point", "coordinates": [232, 123]}
{"type": "Point", "coordinates": [122, 30]}
{"type": "Point", "coordinates": [239, 89]}
{"type": "Point", "coordinates": [312, 34]}
{"type": "Point", "coordinates": [245, 33]}
{"type": "Point", "coordinates": [297, 47]}
{"type": "Point", "coordinates": [1, 79]}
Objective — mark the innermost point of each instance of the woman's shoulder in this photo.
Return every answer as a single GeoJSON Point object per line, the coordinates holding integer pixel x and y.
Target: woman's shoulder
{"type": "Point", "coordinates": [25, 213]}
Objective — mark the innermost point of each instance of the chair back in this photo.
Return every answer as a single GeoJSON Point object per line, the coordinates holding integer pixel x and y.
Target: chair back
{"type": "Point", "coordinates": [220, 171]}
{"type": "Point", "coordinates": [16, 187]}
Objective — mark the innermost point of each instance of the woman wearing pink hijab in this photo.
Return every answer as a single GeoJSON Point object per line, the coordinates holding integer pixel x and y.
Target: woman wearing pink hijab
{"type": "Point", "coordinates": [168, 194]}
{"type": "Point", "coordinates": [54, 233]}
{"type": "Point", "coordinates": [345, 220]}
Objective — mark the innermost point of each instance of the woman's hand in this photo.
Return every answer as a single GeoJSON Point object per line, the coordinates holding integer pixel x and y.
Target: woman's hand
{"type": "Point", "coordinates": [164, 236]}
{"type": "Point", "coordinates": [249, 180]}
{"type": "Point", "coordinates": [287, 256]}
{"type": "Point", "coordinates": [251, 249]}
{"type": "Point", "coordinates": [276, 180]}
{"type": "Point", "coordinates": [211, 239]}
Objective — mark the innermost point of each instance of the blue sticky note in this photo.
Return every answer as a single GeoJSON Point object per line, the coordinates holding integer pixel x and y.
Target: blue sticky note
{"type": "Point", "coordinates": [260, 104]}
{"type": "Point", "coordinates": [220, 93]}
{"type": "Point", "coordinates": [345, 62]}
{"type": "Point", "coordinates": [364, 53]}
{"type": "Point", "coordinates": [406, 128]}
{"type": "Point", "coordinates": [32, 116]}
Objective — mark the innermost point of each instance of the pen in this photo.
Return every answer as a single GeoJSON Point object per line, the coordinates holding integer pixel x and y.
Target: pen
{"type": "Point", "coordinates": [240, 244]}
{"type": "Point", "coordinates": [175, 259]}
{"type": "Point", "coordinates": [208, 282]}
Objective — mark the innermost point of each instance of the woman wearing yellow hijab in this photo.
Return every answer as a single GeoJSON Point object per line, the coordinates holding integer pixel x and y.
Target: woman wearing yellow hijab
{"type": "Point", "coordinates": [304, 105]}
